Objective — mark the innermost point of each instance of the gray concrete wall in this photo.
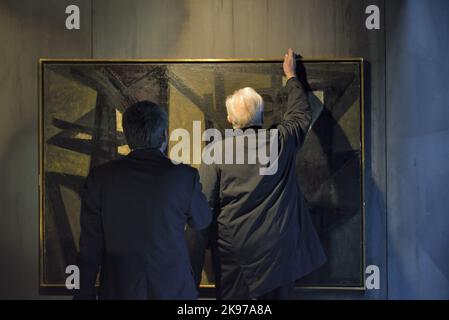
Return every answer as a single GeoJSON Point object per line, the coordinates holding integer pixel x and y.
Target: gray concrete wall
{"type": "Point", "coordinates": [28, 30]}
{"type": "Point", "coordinates": [418, 149]}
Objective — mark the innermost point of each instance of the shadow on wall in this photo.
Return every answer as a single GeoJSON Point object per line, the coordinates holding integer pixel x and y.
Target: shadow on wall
{"type": "Point", "coordinates": [374, 218]}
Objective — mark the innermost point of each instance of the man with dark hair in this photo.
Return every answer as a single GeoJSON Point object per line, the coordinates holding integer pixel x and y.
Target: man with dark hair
{"type": "Point", "coordinates": [145, 125]}
{"type": "Point", "coordinates": [133, 216]}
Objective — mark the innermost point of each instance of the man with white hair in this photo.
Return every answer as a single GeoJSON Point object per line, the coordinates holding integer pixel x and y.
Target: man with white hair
{"type": "Point", "coordinates": [262, 237]}
{"type": "Point", "coordinates": [245, 108]}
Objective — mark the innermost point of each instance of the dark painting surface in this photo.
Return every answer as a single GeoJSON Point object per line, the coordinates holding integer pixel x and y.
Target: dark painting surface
{"type": "Point", "coordinates": [81, 110]}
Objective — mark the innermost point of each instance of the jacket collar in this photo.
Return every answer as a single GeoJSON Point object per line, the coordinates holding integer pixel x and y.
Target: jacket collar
{"type": "Point", "coordinates": [245, 130]}
{"type": "Point", "coordinates": [252, 127]}
{"type": "Point", "coordinates": [148, 153]}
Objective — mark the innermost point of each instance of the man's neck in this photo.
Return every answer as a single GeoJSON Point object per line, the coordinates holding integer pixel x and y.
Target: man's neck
{"type": "Point", "coordinates": [254, 127]}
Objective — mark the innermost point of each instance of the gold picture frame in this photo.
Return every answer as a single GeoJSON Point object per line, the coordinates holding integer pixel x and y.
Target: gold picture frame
{"type": "Point", "coordinates": [41, 143]}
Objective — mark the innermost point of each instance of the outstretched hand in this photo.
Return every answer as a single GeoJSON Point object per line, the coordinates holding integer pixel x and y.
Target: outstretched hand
{"type": "Point", "coordinates": [290, 64]}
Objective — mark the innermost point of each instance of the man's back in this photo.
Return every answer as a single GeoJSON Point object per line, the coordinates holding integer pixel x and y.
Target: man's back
{"type": "Point", "coordinates": [133, 219]}
{"type": "Point", "coordinates": [265, 238]}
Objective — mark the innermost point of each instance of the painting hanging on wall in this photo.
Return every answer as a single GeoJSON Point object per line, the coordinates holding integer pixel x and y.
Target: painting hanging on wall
{"type": "Point", "coordinates": [81, 108]}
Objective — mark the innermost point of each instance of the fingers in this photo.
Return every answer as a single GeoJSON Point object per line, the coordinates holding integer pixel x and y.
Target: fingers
{"type": "Point", "coordinates": [290, 54]}
{"type": "Point", "coordinates": [290, 63]}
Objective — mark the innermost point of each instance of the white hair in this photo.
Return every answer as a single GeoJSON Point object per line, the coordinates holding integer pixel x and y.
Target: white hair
{"type": "Point", "coordinates": [245, 108]}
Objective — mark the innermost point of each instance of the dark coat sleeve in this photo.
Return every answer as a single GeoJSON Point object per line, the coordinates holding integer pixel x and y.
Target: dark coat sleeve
{"type": "Point", "coordinates": [198, 239]}
{"type": "Point", "coordinates": [210, 179]}
{"type": "Point", "coordinates": [199, 216]}
{"type": "Point", "coordinates": [91, 238]}
{"type": "Point", "coordinates": [298, 116]}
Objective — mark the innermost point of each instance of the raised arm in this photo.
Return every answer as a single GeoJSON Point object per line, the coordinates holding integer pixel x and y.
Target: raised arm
{"type": "Point", "coordinates": [298, 116]}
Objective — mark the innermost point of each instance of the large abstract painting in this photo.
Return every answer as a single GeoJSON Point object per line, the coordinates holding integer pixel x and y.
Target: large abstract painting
{"type": "Point", "coordinates": [82, 103]}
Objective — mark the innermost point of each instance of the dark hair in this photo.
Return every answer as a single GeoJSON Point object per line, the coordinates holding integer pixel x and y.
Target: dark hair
{"type": "Point", "coordinates": [144, 124]}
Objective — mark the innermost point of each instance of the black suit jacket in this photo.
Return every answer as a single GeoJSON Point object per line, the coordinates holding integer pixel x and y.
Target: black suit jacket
{"type": "Point", "coordinates": [133, 216]}
{"type": "Point", "coordinates": [261, 221]}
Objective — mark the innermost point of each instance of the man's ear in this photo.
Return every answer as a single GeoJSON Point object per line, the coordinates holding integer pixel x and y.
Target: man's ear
{"type": "Point", "coordinates": [229, 119]}
{"type": "Point", "coordinates": [165, 142]}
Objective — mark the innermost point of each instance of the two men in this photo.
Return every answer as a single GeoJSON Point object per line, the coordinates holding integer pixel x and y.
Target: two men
{"type": "Point", "coordinates": [134, 211]}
